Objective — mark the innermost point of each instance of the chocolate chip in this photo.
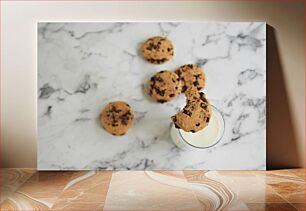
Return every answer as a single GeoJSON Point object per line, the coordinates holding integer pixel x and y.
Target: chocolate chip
{"type": "Point", "coordinates": [125, 121]}
{"type": "Point", "coordinates": [199, 88]}
{"type": "Point", "coordinates": [173, 118]}
{"type": "Point", "coordinates": [171, 95]}
{"type": "Point", "coordinates": [114, 120]}
{"type": "Point", "coordinates": [159, 61]}
{"type": "Point", "coordinates": [202, 96]}
{"type": "Point", "coordinates": [114, 125]}
{"type": "Point", "coordinates": [176, 87]}
{"type": "Point", "coordinates": [151, 45]}
{"type": "Point", "coordinates": [190, 66]}
{"type": "Point", "coordinates": [114, 109]}
{"type": "Point", "coordinates": [174, 121]}
{"type": "Point", "coordinates": [197, 76]}
{"type": "Point", "coordinates": [159, 79]}
{"type": "Point", "coordinates": [159, 92]}
{"type": "Point", "coordinates": [168, 49]}
{"type": "Point", "coordinates": [161, 71]}
{"type": "Point", "coordinates": [196, 83]}
{"type": "Point", "coordinates": [125, 117]}
{"type": "Point", "coordinates": [203, 105]}
{"type": "Point", "coordinates": [122, 134]}
{"type": "Point", "coordinates": [189, 113]}
{"type": "Point", "coordinates": [173, 80]}
{"type": "Point", "coordinates": [207, 120]}
{"type": "Point", "coordinates": [161, 101]}
{"type": "Point", "coordinates": [184, 88]}
{"type": "Point", "coordinates": [192, 131]}
{"type": "Point", "coordinates": [198, 124]}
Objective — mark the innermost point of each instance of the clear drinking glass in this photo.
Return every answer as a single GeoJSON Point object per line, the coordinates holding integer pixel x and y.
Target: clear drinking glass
{"type": "Point", "coordinates": [203, 139]}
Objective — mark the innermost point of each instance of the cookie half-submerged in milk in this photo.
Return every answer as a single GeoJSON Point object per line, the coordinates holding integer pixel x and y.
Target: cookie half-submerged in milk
{"type": "Point", "coordinates": [117, 117]}
{"type": "Point", "coordinates": [196, 115]}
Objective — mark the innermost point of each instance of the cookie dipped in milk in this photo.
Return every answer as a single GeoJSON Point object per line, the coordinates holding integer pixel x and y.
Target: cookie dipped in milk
{"type": "Point", "coordinates": [198, 125]}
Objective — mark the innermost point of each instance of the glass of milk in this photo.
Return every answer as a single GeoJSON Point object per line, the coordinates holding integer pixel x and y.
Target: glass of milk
{"type": "Point", "coordinates": [203, 139]}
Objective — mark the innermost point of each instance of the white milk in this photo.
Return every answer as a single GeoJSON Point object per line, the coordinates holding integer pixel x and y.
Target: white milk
{"type": "Point", "coordinates": [204, 138]}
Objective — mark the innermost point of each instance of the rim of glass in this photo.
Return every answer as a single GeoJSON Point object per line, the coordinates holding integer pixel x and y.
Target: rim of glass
{"type": "Point", "coordinates": [219, 137]}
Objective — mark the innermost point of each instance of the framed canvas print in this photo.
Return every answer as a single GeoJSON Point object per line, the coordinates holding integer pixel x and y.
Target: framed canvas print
{"type": "Point", "coordinates": [148, 79]}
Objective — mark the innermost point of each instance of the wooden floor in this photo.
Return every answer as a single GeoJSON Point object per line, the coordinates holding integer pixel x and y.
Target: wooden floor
{"type": "Point", "coordinates": [27, 189]}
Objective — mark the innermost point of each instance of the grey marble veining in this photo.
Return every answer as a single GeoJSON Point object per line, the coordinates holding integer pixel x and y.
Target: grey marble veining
{"type": "Point", "coordinates": [83, 66]}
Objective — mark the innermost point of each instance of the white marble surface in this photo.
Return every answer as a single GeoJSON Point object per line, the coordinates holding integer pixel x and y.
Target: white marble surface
{"type": "Point", "coordinates": [83, 66]}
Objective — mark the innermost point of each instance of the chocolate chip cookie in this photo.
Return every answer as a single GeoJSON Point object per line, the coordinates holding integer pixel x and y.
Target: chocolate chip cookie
{"type": "Point", "coordinates": [196, 114]}
{"type": "Point", "coordinates": [191, 76]}
{"type": "Point", "coordinates": [157, 50]}
{"type": "Point", "coordinates": [117, 117]}
{"type": "Point", "coordinates": [164, 86]}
